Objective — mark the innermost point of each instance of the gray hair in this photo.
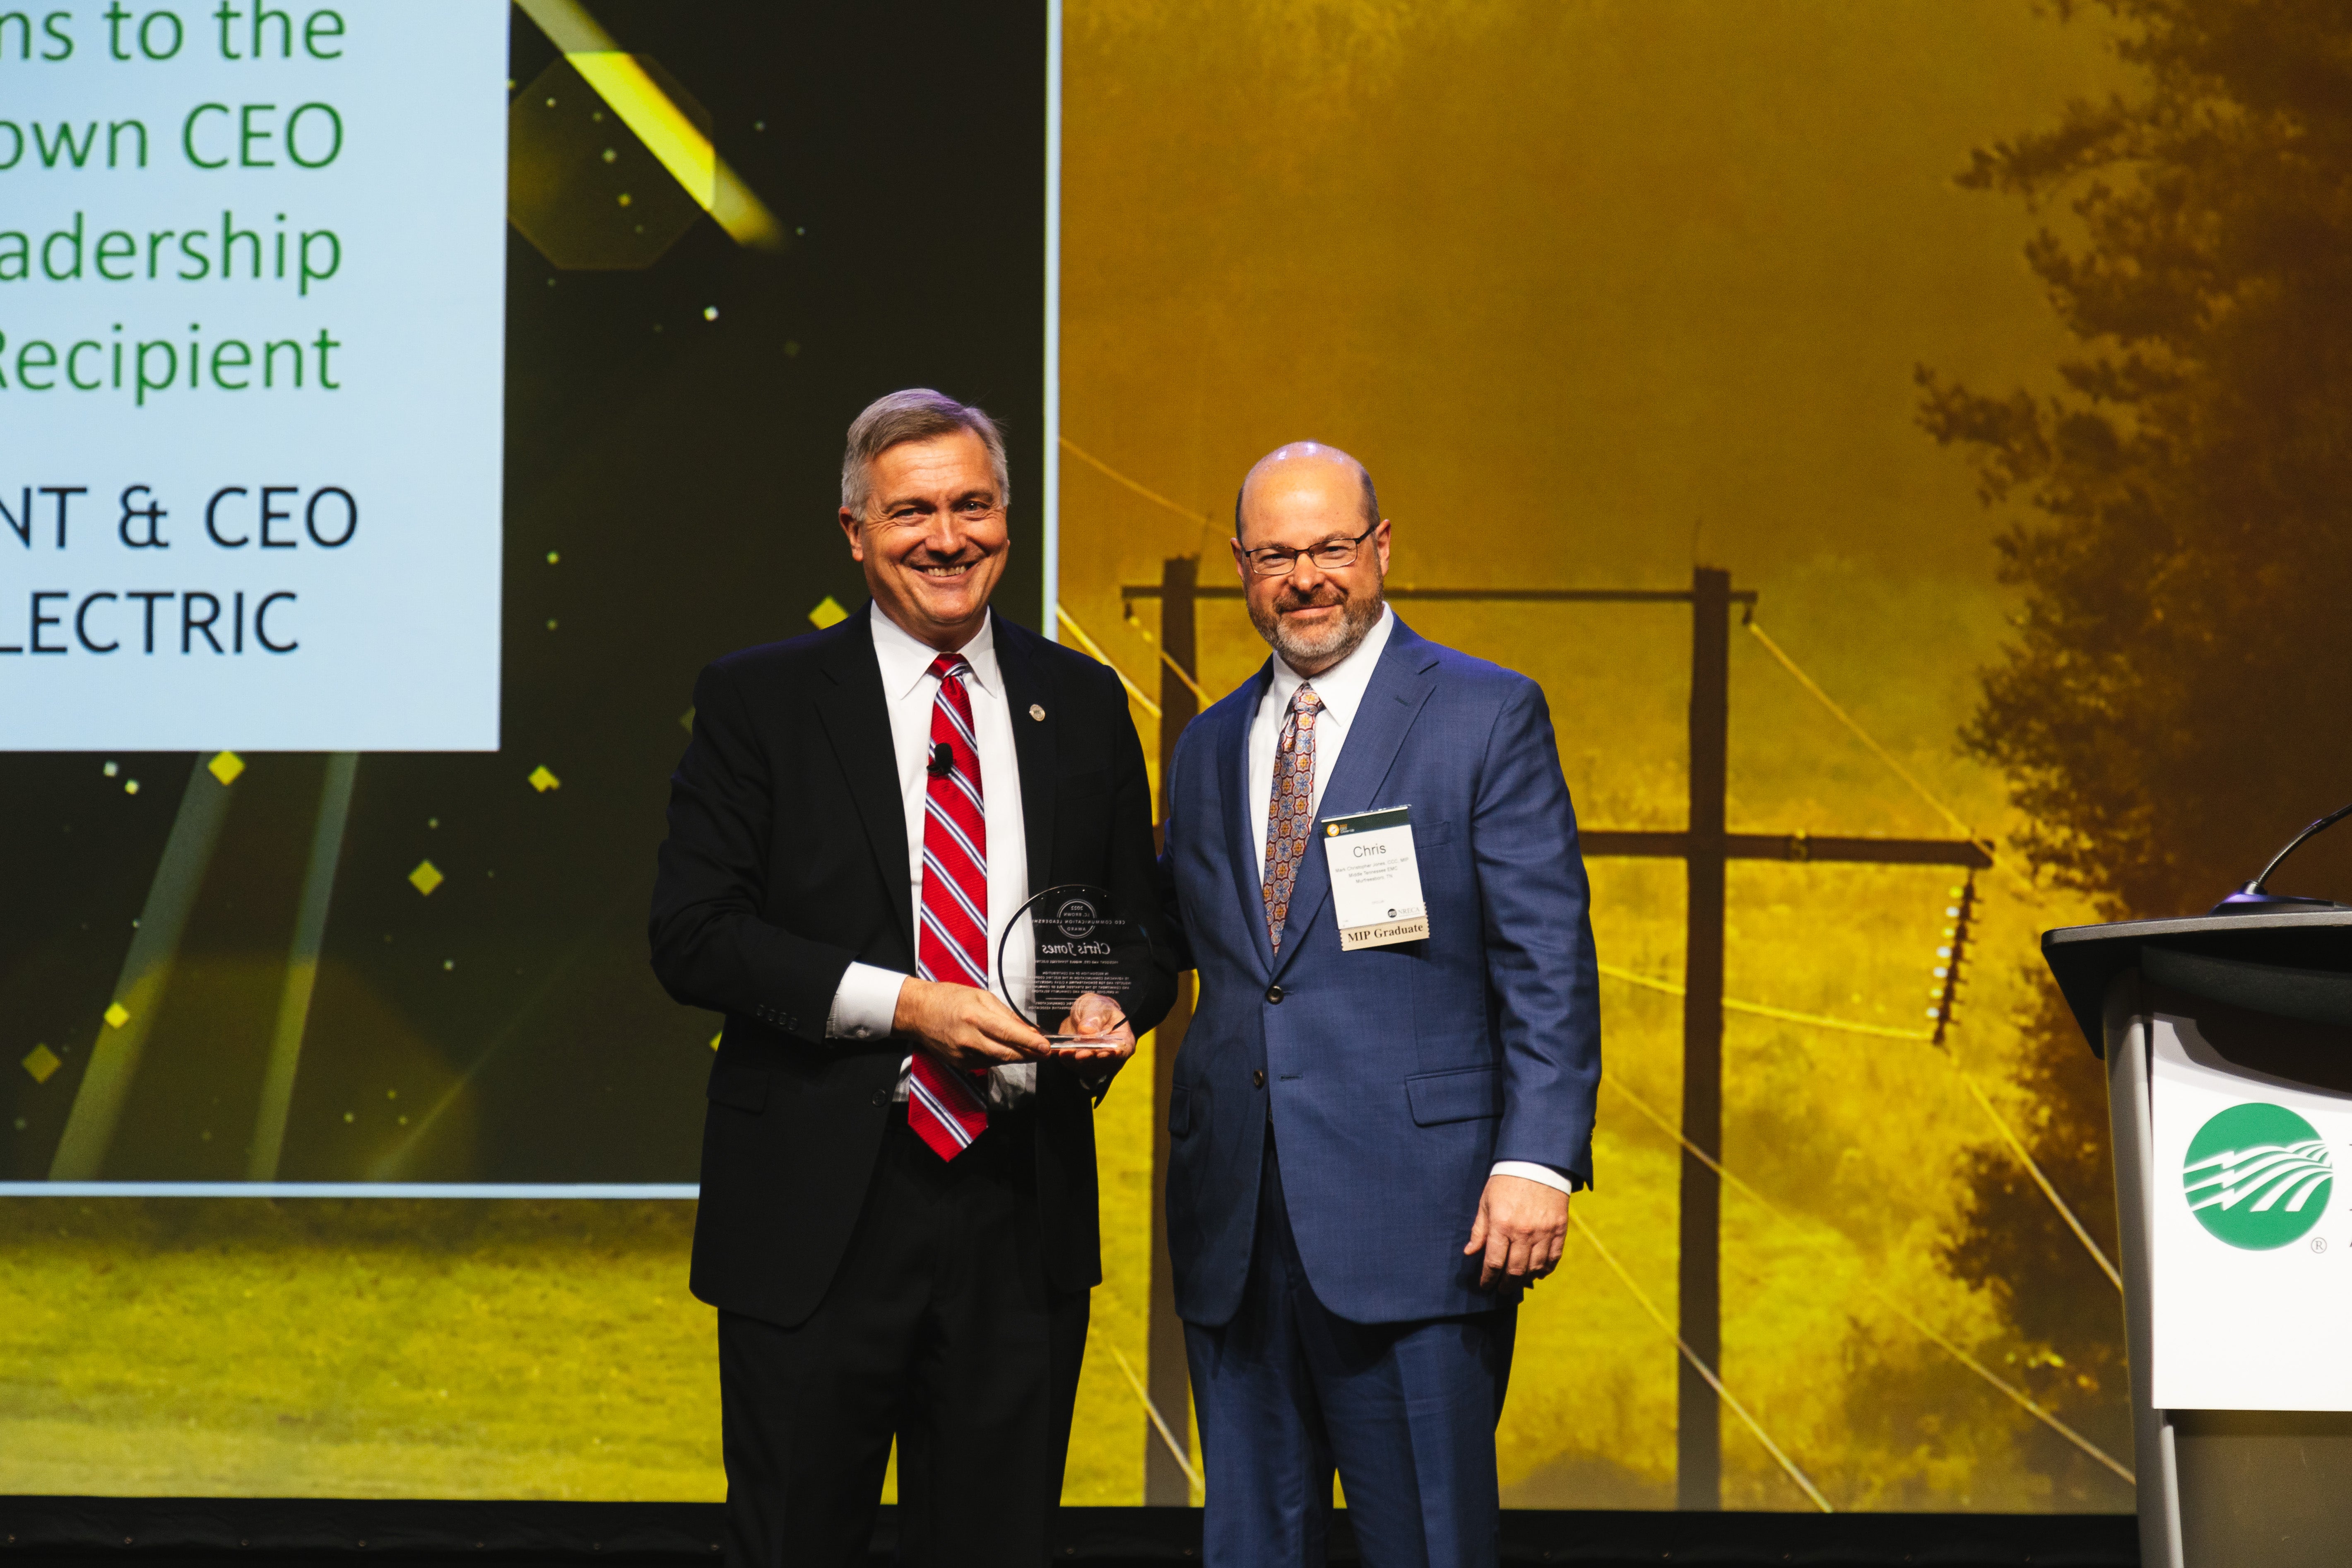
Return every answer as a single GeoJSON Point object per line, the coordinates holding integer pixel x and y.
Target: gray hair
{"type": "Point", "coordinates": [916, 413]}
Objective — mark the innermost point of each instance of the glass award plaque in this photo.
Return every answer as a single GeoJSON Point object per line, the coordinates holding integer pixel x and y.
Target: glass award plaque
{"type": "Point", "coordinates": [1075, 943]}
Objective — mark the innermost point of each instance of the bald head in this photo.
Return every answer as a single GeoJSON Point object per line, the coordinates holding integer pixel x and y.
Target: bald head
{"type": "Point", "coordinates": [1296, 472]}
{"type": "Point", "coordinates": [1311, 549]}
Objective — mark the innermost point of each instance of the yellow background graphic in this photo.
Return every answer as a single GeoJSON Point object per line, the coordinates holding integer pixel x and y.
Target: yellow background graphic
{"type": "Point", "coordinates": [1599, 291]}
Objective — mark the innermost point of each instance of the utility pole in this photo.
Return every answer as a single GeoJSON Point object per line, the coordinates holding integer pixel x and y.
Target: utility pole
{"type": "Point", "coordinates": [1698, 1433]}
{"type": "Point", "coordinates": [1705, 846]}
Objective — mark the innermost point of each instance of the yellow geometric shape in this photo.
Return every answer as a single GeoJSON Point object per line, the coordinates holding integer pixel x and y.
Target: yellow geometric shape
{"type": "Point", "coordinates": [565, 197]}
{"type": "Point", "coordinates": [131, 786]}
{"type": "Point", "coordinates": [426, 877]}
{"type": "Point", "coordinates": [675, 140]}
{"type": "Point", "coordinates": [674, 134]}
{"type": "Point", "coordinates": [716, 1039]}
{"type": "Point", "coordinates": [542, 781]}
{"type": "Point", "coordinates": [686, 720]}
{"type": "Point", "coordinates": [41, 1061]}
{"type": "Point", "coordinates": [828, 613]}
{"type": "Point", "coordinates": [117, 1014]}
{"type": "Point", "coordinates": [225, 767]}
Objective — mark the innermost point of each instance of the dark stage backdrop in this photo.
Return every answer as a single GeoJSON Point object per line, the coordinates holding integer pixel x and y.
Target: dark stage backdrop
{"type": "Point", "coordinates": [675, 401]}
{"type": "Point", "coordinates": [2022, 421]}
{"type": "Point", "coordinates": [429, 968]}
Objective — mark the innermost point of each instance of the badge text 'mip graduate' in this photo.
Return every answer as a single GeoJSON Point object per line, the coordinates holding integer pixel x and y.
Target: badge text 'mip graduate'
{"type": "Point", "coordinates": [1386, 1092]}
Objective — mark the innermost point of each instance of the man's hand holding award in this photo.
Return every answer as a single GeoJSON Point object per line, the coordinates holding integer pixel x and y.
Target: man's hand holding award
{"type": "Point", "coordinates": [1085, 959]}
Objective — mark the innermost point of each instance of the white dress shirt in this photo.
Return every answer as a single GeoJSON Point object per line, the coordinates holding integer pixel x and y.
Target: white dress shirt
{"type": "Point", "coordinates": [1341, 688]}
{"type": "Point", "coordinates": [867, 1002]}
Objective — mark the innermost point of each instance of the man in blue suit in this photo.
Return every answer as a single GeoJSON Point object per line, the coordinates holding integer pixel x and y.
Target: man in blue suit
{"type": "Point", "coordinates": [1373, 1143]}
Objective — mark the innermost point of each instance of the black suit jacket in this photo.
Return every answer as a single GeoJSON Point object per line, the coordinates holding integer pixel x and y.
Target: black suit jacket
{"type": "Point", "coordinates": [786, 860]}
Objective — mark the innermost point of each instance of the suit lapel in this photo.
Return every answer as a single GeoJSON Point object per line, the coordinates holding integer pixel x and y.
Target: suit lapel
{"type": "Point", "coordinates": [1034, 743]}
{"type": "Point", "coordinates": [857, 717]}
{"type": "Point", "coordinates": [1401, 683]}
{"type": "Point", "coordinates": [1233, 770]}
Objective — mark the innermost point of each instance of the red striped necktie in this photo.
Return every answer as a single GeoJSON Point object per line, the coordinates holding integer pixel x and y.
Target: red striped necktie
{"type": "Point", "coordinates": [943, 1104]}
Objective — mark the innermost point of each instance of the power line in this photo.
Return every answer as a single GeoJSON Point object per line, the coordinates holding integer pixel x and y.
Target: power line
{"type": "Point", "coordinates": [1095, 649]}
{"type": "Point", "coordinates": [2009, 1136]}
{"type": "Point", "coordinates": [1158, 1422]}
{"type": "Point", "coordinates": [2017, 1148]}
{"type": "Point", "coordinates": [1203, 518]}
{"type": "Point", "coordinates": [1700, 1366]}
{"type": "Point", "coordinates": [2025, 1400]}
{"type": "Point", "coordinates": [1758, 1009]}
{"type": "Point", "coordinates": [1165, 656]}
{"type": "Point", "coordinates": [1982, 845]}
{"type": "Point", "coordinates": [1882, 753]}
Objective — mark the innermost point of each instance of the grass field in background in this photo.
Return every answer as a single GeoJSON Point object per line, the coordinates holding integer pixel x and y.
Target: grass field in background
{"type": "Point", "coordinates": [442, 1348]}
{"type": "Point", "coordinates": [463, 1349]}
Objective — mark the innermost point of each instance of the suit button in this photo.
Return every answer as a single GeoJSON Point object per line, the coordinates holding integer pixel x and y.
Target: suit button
{"type": "Point", "coordinates": [1257, 1077]}
{"type": "Point", "coordinates": [881, 1097]}
{"type": "Point", "coordinates": [1273, 993]}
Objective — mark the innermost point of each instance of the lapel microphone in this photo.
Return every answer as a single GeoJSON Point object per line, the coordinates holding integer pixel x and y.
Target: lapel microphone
{"type": "Point", "coordinates": [942, 760]}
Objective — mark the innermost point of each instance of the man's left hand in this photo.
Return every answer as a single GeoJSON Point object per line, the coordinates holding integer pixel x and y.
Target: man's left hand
{"type": "Point", "coordinates": [1521, 1227]}
{"type": "Point", "coordinates": [1102, 1019]}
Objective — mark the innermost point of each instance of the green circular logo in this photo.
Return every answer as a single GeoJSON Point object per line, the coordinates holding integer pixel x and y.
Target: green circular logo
{"type": "Point", "coordinates": [2257, 1176]}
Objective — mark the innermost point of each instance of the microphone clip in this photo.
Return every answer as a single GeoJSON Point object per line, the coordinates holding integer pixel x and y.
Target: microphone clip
{"type": "Point", "coordinates": [942, 760]}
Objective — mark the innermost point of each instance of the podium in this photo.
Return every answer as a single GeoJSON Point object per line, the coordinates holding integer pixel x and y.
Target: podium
{"type": "Point", "coordinates": [2228, 1041]}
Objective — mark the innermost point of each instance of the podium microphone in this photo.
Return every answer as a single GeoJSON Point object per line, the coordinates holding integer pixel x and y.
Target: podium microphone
{"type": "Point", "coordinates": [942, 763]}
{"type": "Point", "coordinates": [2251, 900]}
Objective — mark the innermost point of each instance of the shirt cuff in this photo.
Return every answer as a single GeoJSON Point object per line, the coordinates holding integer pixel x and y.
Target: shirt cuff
{"type": "Point", "coordinates": [866, 1004]}
{"type": "Point", "coordinates": [1525, 1169]}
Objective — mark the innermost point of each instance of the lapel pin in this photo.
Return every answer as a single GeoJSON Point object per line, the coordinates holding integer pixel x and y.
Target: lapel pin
{"type": "Point", "coordinates": [1037, 712]}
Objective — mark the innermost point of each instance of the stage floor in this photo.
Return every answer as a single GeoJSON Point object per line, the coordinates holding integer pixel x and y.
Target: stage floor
{"type": "Point", "coordinates": [215, 1532]}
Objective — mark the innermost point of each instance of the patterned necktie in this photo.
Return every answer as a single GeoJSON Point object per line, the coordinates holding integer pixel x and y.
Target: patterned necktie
{"type": "Point", "coordinates": [1291, 809]}
{"type": "Point", "coordinates": [943, 1105]}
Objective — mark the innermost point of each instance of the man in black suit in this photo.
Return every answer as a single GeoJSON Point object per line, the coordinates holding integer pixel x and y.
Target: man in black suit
{"type": "Point", "coordinates": [898, 1222]}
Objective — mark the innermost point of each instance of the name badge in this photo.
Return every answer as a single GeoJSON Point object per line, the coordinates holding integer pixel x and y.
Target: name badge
{"type": "Point", "coordinates": [1375, 879]}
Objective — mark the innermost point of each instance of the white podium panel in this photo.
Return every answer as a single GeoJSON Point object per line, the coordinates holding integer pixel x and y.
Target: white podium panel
{"type": "Point", "coordinates": [2251, 1232]}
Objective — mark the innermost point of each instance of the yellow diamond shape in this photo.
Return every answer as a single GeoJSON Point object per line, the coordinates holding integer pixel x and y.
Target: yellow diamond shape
{"type": "Point", "coordinates": [117, 1014]}
{"type": "Point", "coordinates": [542, 781]}
{"type": "Point", "coordinates": [828, 611]}
{"type": "Point", "coordinates": [426, 877]}
{"type": "Point", "coordinates": [41, 1061]}
{"type": "Point", "coordinates": [225, 767]}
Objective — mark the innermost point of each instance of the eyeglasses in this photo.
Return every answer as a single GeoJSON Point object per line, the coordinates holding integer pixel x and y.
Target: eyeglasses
{"type": "Point", "coordinates": [1273, 561]}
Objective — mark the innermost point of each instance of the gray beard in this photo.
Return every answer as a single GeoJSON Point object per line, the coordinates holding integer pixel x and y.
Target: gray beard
{"type": "Point", "coordinates": [1357, 619]}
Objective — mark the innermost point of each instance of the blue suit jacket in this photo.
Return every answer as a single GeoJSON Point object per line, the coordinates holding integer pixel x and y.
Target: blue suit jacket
{"type": "Point", "coordinates": [1396, 1076]}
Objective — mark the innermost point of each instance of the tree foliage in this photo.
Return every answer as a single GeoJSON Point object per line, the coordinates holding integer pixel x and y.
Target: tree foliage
{"type": "Point", "coordinates": [2065, 1343]}
{"type": "Point", "coordinates": [2173, 702]}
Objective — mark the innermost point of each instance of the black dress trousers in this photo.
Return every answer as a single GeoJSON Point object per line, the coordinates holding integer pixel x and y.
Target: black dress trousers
{"type": "Point", "coordinates": [939, 1330]}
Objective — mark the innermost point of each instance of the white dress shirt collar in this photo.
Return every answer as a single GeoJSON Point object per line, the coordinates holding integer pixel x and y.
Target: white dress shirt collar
{"type": "Point", "coordinates": [866, 1002]}
{"type": "Point", "coordinates": [1342, 688]}
{"type": "Point", "coordinates": [1342, 685]}
{"type": "Point", "coordinates": [906, 660]}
